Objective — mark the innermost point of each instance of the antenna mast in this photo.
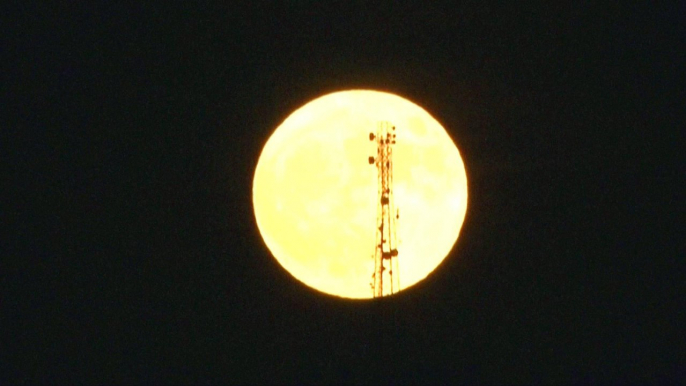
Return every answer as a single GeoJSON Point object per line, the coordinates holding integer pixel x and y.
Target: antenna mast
{"type": "Point", "coordinates": [385, 250]}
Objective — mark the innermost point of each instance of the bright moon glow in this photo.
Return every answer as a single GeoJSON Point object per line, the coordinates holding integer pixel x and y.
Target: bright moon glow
{"type": "Point", "coordinates": [315, 193]}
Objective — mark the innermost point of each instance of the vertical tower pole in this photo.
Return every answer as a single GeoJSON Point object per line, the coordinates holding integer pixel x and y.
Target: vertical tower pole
{"type": "Point", "coordinates": [385, 250]}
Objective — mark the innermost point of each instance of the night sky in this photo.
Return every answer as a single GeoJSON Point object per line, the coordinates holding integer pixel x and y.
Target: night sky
{"type": "Point", "coordinates": [131, 252]}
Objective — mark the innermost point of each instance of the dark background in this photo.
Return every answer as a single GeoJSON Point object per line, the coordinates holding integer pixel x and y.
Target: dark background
{"type": "Point", "coordinates": [131, 253]}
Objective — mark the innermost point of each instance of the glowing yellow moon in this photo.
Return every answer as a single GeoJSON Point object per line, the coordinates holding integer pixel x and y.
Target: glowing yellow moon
{"type": "Point", "coordinates": [315, 193]}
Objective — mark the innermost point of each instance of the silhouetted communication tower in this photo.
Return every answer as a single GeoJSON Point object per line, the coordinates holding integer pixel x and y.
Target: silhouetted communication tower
{"type": "Point", "coordinates": [385, 279]}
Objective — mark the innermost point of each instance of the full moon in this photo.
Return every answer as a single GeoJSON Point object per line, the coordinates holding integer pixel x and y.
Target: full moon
{"type": "Point", "coordinates": [315, 191]}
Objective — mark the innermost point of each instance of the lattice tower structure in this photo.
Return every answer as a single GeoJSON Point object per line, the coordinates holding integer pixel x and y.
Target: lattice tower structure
{"type": "Point", "coordinates": [385, 277]}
